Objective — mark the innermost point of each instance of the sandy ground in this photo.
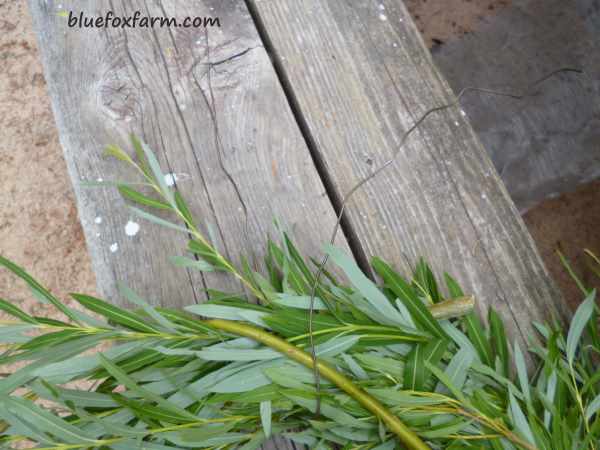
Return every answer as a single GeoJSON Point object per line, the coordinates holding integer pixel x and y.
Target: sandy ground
{"type": "Point", "coordinates": [39, 228]}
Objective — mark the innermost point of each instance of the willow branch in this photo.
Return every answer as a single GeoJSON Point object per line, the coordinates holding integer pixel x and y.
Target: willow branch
{"type": "Point", "coordinates": [406, 436]}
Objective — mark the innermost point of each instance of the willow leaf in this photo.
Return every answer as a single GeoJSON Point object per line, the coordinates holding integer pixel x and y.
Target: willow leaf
{"type": "Point", "coordinates": [131, 194]}
{"type": "Point", "coordinates": [522, 372]}
{"type": "Point", "coordinates": [127, 381]}
{"type": "Point", "coordinates": [38, 288]}
{"type": "Point", "coordinates": [158, 175]}
{"type": "Point", "coordinates": [9, 308]}
{"type": "Point", "coordinates": [114, 313]}
{"type": "Point", "coordinates": [265, 417]}
{"type": "Point", "coordinates": [405, 293]}
{"type": "Point", "coordinates": [520, 421]}
{"type": "Point", "coordinates": [46, 421]}
{"type": "Point", "coordinates": [157, 220]}
{"type": "Point", "coordinates": [388, 314]}
{"type": "Point", "coordinates": [580, 320]}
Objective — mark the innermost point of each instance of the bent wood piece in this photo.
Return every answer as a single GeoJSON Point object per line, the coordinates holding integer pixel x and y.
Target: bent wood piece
{"type": "Point", "coordinates": [361, 76]}
{"type": "Point", "coordinates": [106, 83]}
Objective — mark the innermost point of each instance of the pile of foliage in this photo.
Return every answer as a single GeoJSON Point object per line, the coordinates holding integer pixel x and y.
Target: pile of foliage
{"type": "Point", "coordinates": [400, 365]}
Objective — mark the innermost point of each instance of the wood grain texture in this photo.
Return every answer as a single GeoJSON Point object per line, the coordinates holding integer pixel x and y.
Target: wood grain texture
{"type": "Point", "coordinates": [108, 82]}
{"type": "Point", "coordinates": [361, 75]}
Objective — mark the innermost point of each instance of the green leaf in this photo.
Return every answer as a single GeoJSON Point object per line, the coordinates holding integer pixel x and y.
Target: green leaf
{"type": "Point", "coordinates": [499, 341]}
{"type": "Point", "coordinates": [519, 420]}
{"type": "Point", "coordinates": [49, 340]}
{"type": "Point", "coordinates": [592, 408]}
{"type": "Point", "coordinates": [137, 197]}
{"type": "Point", "coordinates": [255, 442]}
{"type": "Point", "coordinates": [139, 151]}
{"type": "Point", "coordinates": [208, 254]}
{"type": "Point", "coordinates": [476, 334]}
{"type": "Point", "coordinates": [158, 175]}
{"type": "Point", "coordinates": [127, 381]}
{"type": "Point", "coordinates": [182, 261]}
{"type": "Point", "coordinates": [446, 381]}
{"type": "Point", "coordinates": [265, 417]}
{"type": "Point", "coordinates": [16, 312]}
{"type": "Point", "coordinates": [414, 370]}
{"type": "Point", "coordinates": [425, 279]}
{"type": "Point", "coordinates": [184, 210]}
{"type": "Point", "coordinates": [354, 367]}
{"type": "Point", "coordinates": [453, 287]}
{"type": "Point", "coordinates": [388, 445]}
{"type": "Point", "coordinates": [21, 427]}
{"type": "Point", "coordinates": [81, 398]}
{"type": "Point", "coordinates": [225, 353]}
{"type": "Point", "coordinates": [157, 220]}
{"type": "Point", "coordinates": [522, 372]}
{"type": "Point", "coordinates": [328, 410]}
{"type": "Point", "coordinates": [387, 313]}
{"type": "Point", "coordinates": [201, 437]}
{"type": "Point", "coordinates": [37, 288]}
{"type": "Point", "coordinates": [251, 377]}
{"type": "Point", "coordinates": [406, 294]}
{"type": "Point", "coordinates": [404, 399]}
{"type": "Point", "coordinates": [150, 310]}
{"type": "Point", "coordinates": [14, 334]}
{"type": "Point", "coordinates": [46, 421]}
{"type": "Point", "coordinates": [229, 313]}
{"type": "Point", "coordinates": [114, 313]}
{"type": "Point", "coordinates": [295, 322]}
{"type": "Point", "coordinates": [118, 153]}
{"type": "Point", "coordinates": [299, 301]}
{"type": "Point", "coordinates": [458, 367]}
{"type": "Point", "coordinates": [578, 324]}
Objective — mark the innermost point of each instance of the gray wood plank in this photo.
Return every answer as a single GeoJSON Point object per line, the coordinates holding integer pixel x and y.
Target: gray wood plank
{"type": "Point", "coordinates": [108, 82]}
{"type": "Point", "coordinates": [361, 75]}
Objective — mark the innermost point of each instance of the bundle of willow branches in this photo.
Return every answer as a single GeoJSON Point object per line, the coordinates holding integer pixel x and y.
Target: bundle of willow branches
{"type": "Point", "coordinates": [400, 366]}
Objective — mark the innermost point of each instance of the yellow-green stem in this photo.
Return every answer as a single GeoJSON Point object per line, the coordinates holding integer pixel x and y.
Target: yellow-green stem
{"type": "Point", "coordinates": [408, 437]}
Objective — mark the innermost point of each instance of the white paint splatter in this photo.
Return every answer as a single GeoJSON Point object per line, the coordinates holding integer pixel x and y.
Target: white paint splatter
{"type": "Point", "coordinates": [462, 113]}
{"type": "Point", "coordinates": [456, 123]}
{"type": "Point", "coordinates": [114, 247]}
{"type": "Point", "coordinates": [100, 180]}
{"type": "Point", "coordinates": [382, 7]}
{"type": "Point", "coordinates": [98, 220]}
{"type": "Point", "coordinates": [132, 228]}
{"type": "Point", "coordinates": [382, 17]}
{"type": "Point", "coordinates": [170, 179]}
{"type": "Point", "coordinates": [394, 44]}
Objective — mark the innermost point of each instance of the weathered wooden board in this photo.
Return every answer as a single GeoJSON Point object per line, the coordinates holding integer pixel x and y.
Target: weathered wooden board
{"type": "Point", "coordinates": [108, 82]}
{"type": "Point", "coordinates": [547, 143]}
{"type": "Point", "coordinates": [361, 75]}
